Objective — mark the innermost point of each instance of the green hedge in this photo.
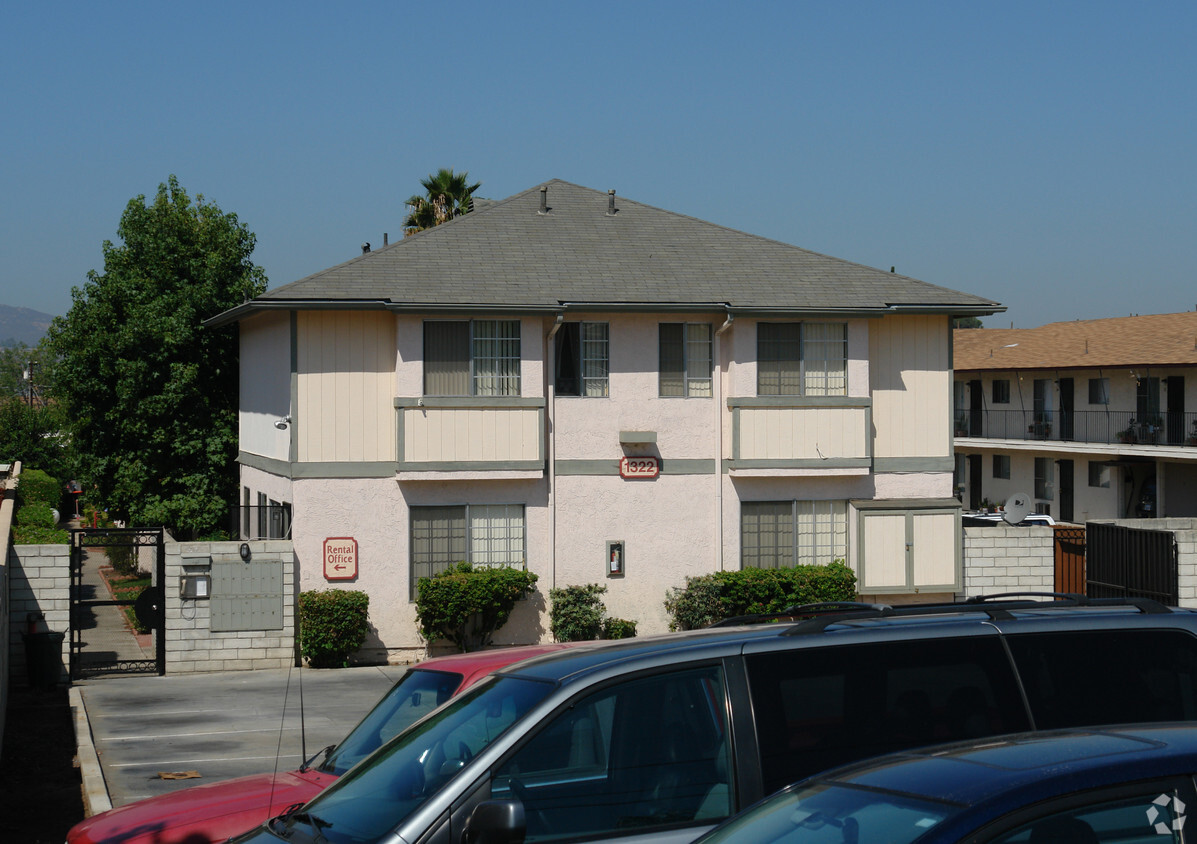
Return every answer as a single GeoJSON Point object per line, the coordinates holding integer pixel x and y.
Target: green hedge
{"type": "Point", "coordinates": [467, 605]}
{"type": "Point", "coordinates": [713, 597]}
{"type": "Point", "coordinates": [35, 486]}
{"type": "Point", "coordinates": [333, 623]}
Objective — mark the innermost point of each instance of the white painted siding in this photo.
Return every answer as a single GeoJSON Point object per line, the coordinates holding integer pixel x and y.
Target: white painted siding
{"type": "Point", "coordinates": [778, 433]}
{"type": "Point", "coordinates": [345, 407]}
{"type": "Point", "coordinates": [470, 434]}
{"type": "Point", "coordinates": [911, 382]}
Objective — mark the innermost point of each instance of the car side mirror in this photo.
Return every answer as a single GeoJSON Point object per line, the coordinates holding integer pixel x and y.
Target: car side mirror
{"type": "Point", "coordinates": [496, 822]}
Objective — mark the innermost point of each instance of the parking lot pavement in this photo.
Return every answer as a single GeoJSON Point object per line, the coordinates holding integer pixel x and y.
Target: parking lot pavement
{"type": "Point", "coordinates": [220, 725]}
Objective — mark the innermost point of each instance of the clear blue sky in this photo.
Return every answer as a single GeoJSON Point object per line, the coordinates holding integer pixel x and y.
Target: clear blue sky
{"type": "Point", "coordinates": [1040, 153]}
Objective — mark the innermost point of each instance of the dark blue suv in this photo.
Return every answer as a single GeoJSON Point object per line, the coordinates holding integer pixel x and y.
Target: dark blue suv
{"type": "Point", "coordinates": [1132, 785]}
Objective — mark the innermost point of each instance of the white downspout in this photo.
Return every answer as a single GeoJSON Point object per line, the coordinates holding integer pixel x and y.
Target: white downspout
{"type": "Point", "coordinates": [550, 392]}
{"type": "Point", "coordinates": [718, 389]}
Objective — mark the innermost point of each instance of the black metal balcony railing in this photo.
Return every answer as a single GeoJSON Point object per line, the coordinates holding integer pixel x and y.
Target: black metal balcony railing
{"type": "Point", "coordinates": [269, 521]}
{"type": "Point", "coordinates": [1082, 426]}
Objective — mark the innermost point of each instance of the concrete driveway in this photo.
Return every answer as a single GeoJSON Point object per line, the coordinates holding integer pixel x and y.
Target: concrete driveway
{"type": "Point", "coordinates": [218, 725]}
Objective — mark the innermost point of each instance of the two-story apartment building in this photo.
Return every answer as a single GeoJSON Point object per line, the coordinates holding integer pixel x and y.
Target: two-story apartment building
{"type": "Point", "coordinates": [604, 392]}
{"type": "Point", "coordinates": [1094, 419]}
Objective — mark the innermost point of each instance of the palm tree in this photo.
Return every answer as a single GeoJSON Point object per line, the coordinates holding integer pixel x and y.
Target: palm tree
{"type": "Point", "coordinates": [447, 195]}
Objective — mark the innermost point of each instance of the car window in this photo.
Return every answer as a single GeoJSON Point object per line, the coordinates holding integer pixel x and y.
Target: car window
{"type": "Point", "coordinates": [1142, 675]}
{"type": "Point", "coordinates": [820, 707]}
{"type": "Point", "coordinates": [827, 813]}
{"type": "Point", "coordinates": [643, 754]}
{"type": "Point", "coordinates": [416, 694]}
{"type": "Point", "coordinates": [1153, 817]}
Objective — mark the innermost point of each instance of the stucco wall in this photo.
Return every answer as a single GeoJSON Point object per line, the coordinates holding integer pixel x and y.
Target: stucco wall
{"type": "Point", "coordinates": [265, 387]}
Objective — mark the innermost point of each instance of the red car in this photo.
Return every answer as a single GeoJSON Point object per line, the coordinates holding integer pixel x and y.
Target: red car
{"type": "Point", "coordinates": [220, 810]}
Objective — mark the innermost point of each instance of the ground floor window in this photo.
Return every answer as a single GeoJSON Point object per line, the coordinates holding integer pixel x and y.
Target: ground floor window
{"type": "Point", "coordinates": [779, 534]}
{"type": "Point", "coordinates": [480, 534]}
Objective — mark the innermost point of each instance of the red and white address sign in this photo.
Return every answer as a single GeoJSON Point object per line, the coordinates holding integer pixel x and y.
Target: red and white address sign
{"type": "Point", "coordinates": [639, 467]}
{"type": "Point", "coordinates": [340, 558]}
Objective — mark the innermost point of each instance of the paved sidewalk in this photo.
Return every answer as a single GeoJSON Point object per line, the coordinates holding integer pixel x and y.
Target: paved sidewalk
{"type": "Point", "coordinates": [105, 634]}
{"type": "Point", "coordinates": [221, 725]}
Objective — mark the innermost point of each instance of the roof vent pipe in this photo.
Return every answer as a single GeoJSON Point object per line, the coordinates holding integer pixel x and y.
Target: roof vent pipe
{"type": "Point", "coordinates": [611, 203]}
{"type": "Point", "coordinates": [385, 238]}
{"type": "Point", "coordinates": [544, 199]}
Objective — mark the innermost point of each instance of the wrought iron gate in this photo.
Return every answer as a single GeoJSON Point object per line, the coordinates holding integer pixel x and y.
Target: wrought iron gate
{"type": "Point", "coordinates": [1133, 563]}
{"type": "Point", "coordinates": [101, 642]}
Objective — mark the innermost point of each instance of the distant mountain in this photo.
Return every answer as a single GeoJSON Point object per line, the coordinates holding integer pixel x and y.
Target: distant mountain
{"type": "Point", "coordinates": [22, 325]}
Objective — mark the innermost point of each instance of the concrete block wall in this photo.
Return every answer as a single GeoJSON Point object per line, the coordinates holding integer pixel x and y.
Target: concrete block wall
{"type": "Point", "coordinates": [39, 582]}
{"type": "Point", "coordinates": [192, 647]}
{"type": "Point", "coordinates": [1003, 558]}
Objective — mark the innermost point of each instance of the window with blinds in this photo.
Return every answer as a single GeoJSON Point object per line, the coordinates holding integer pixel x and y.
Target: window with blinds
{"type": "Point", "coordinates": [480, 534]}
{"type": "Point", "coordinates": [583, 359]}
{"type": "Point", "coordinates": [781, 534]}
{"type": "Point", "coordinates": [478, 357]}
{"type": "Point", "coordinates": [802, 359]}
{"type": "Point", "coordinates": [685, 359]}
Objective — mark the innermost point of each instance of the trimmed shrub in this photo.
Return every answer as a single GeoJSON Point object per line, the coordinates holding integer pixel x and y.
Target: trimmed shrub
{"type": "Point", "coordinates": [467, 605]}
{"type": "Point", "coordinates": [618, 628]}
{"type": "Point", "coordinates": [725, 594]}
{"type": "Point", "coordinates": [333, 623]}
{"type": "Point", "coordinates": [35, 486]}
{"type": "Point", "coordinates": [577, 613]}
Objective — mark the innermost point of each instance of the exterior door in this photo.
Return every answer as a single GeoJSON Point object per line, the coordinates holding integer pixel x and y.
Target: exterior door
{"type": "Point", "coordinates": [976, 409]}
{"type": "Point", "coordinates": [1066, 489]}
{"type": "Point", "coordinates": [1066, 408]}
{"type": "Point", "coordinates": [1176, 410]}
{"type": "Point", "coordinates": [974, 482]}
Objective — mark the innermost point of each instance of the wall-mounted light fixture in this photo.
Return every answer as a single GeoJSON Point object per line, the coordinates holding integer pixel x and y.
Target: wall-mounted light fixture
{"type": "Point", "coordinates": [283, 422]}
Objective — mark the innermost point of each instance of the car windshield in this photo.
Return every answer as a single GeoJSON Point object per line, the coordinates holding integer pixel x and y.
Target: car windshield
{"type": "Point", "coordinates": [834, 814]}
{"type": "Point", "coordinates": [374, 797]}
{"type": "Point", "coordinates": [417, 693]}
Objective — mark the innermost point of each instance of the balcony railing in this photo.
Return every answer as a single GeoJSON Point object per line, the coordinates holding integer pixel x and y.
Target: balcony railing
{"type": "Point", "coordinates": [1081, 426]}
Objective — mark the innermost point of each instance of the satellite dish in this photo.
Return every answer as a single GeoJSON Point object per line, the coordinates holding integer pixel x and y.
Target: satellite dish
{"type": "Point", "coordinates": [1018, 507]}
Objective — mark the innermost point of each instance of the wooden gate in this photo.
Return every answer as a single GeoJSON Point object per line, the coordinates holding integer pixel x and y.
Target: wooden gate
{"type": "Point", "coordinates": [1126, 562]}
{"type": "Point", "coordinates": [1070, 559]}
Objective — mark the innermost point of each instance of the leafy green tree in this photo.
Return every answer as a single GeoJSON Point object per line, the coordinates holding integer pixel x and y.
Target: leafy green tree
{"type": "Point", "coordinates": [446, 195]}
{"type": "Point", "coordinates": [150, 396]}
{"type": "Point", "coordinates": [966, 322]}
{"type": "Point", "coordinates": [34, 435]}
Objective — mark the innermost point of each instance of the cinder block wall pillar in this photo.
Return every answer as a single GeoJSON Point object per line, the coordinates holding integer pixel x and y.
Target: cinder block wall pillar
{"type": "Point", "coordinates": [192, 646]}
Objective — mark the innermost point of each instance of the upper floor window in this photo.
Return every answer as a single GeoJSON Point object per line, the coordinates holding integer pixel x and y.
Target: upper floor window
{"type": "Point", "coordinates": [686, 362]}
{"type": "Point", "coordinates": [478, 357]}
{"type": "Point", "coordinates": [583, 359]}
{"type": "Point", "coordinates": [1001, 391]}
{"type": "Point", "coordinates": [802, 359]}
{"type": "Point", "coordinates": [1099, 391]}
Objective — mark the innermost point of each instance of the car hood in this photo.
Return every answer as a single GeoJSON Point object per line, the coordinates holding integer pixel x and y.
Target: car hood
{"type": "Point", "coordinates": [216, 810]}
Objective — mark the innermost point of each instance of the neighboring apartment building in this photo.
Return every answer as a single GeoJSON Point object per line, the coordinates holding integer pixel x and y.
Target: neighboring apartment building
{"type": "Point", "coordinates": [1094, 419]}
{"type": "Point", "coordinates": [604, 392]}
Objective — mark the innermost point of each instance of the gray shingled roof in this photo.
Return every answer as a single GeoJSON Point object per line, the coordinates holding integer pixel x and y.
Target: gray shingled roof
{"type": "Point", "coordinates": [509, 254]}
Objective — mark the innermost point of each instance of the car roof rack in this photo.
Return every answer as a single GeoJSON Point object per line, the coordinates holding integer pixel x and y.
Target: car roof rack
{"type": "Point", "coordinates": [816, 617]}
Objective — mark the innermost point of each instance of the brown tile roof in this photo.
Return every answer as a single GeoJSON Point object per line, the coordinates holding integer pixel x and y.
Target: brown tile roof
{"type": "Point", "coordinates": [1153, 340]}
